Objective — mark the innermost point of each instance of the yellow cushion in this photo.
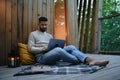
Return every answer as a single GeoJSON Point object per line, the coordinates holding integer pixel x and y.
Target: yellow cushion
{"type": "Point", "coordinates": [26, 58]}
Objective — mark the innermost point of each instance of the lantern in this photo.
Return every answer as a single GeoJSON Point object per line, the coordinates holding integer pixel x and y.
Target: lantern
{"type": "Point", "coordinates": [13, 59]}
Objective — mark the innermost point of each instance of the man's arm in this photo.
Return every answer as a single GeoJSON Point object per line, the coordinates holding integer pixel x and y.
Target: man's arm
{"type": "Point", "coordinates": [31, 45]}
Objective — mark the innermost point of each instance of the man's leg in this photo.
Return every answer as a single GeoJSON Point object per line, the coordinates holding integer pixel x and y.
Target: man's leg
{"type": "Point", "coordinates": [57, 54]}
{"type": "Point", "coordinates": [84, 58]}
{"type": "Point", "coordinates": [74, 51]}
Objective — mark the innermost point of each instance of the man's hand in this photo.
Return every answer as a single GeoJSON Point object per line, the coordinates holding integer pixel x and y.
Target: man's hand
{"type": "Point", "coordinates": [44, 49]}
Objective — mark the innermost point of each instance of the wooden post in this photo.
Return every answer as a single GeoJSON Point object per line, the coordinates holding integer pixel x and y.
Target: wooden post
{"type": "Point", "coordinates": [51, 16]}
{"type": "Point", "coordinates": [25, 21]}
{"type": "Point", "coordinates": [20, 20]}
{"type": "Point", "coordinates": [71, 14]}
{"type": "Point", "coordinates": [8, 28]}
{"type": "Point", "coordinates": [34, 15]}
{"type": "Point", "coordinates": [2, 32]}
{"type": "Point", "coordinates": [30, 16]}
{"type": "Point", "coordinates": [82, 26]}
{"type": "Point", "coordinates": [87, 28]}
{"type": "Point", "coordinates": [48, 14]}
{"type": "Point", "coordinates": [14, 24]}
{"type": "Point", "coordinates": [79, 15]}
{"type": "Point", "coordinates": [44, 11]}
{"type": "Point", "coordinates": [93, 28]}
{"type": "Point", "coordinates": [99, 14]}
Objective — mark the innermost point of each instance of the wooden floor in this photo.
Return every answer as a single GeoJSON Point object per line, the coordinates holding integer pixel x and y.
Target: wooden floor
{"type": "Point", "coordinates": [111, 72]}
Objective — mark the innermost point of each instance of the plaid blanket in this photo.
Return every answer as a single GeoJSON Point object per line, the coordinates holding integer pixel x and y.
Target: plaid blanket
{"type": "Point", "coordinates": [53, 70]}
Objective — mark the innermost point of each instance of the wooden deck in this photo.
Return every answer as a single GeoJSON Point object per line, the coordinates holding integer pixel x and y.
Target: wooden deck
{"type": "Point", "coordinates": [111, 72]}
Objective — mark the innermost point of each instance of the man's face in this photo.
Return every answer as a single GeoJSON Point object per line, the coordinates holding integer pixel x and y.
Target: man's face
{"type": "Point", "coordinates": [42, 26]}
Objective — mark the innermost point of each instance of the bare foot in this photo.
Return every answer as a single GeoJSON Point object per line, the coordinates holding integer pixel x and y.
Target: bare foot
{"type": "Point", "coordinates": [98, 63]}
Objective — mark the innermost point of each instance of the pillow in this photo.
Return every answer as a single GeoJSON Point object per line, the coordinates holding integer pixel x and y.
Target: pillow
{"type": "Point", "coordinates": [26, 58]}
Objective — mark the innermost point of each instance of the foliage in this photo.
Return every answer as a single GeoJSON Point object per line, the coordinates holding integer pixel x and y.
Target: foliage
{"type": "Point", "coordinates": [110, 39]}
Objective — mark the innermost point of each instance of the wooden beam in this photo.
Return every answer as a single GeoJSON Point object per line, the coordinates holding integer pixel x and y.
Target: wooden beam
{"type": "Point", "coordinates": [2, 32]}
{"type": "Point", "coordinates": [40, 6]}
{"type": "Point", "coordinates": [79, 15]}
{"type": "Point", "coordinates": [25, 21]}
{"type": "Point", "coordinates": [20, 20]}
{"type": "Point", "coordinates": [92, 38]}
{"type": "Point", "coordinates": [87, 27]}
{"type": "Point", "coordinates": [110, 16]}
{"type": "Point", "coordinates": [30, 16]}
{"type": "Point", "coordinates": [71, 17]}
{"type": "Point", "coordinates": [8, 28]}
{"type": "Point", "coordinates": [14, 24]}
{"type": "Point", "coordinates": [35, 16]}
{"type": "Point", "coordinates": [52, 7]}
{"type": "Point", "coordinates": [99, 14]}
{"type": "Point", "coordinates": [44, 11]}
{"type": "Point", "coordinates": [109, 52]}
{"type": "Point", "coordinates": [82, 26]}
{"type": "Point", "coordinates": [48, 15]}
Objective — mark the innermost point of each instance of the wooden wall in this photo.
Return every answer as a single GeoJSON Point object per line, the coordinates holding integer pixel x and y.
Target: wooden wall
{"type": "Point", "coordinates": [18, 18]}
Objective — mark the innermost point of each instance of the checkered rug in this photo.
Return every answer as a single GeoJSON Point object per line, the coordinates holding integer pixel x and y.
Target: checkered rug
{"type": "Point", "coordinates": [54, 70]}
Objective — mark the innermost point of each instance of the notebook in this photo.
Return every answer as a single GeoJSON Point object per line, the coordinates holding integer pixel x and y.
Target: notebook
{"type": "Point", "coordinates": [55, 43]}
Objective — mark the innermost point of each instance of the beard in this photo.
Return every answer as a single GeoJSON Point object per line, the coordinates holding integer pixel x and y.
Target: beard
{"type": "Point", "coordinates": [43, 29]}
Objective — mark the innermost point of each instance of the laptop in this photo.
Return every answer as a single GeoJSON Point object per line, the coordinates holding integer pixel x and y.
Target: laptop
{"type": "Point", "coordinates": [55, 43]}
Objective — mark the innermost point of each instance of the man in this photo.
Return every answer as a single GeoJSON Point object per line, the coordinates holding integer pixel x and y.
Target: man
{"type": "Point", "coordinates": [38, 42]}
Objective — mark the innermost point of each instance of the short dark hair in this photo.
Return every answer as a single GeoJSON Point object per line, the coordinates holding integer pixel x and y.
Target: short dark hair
{"type": "Point", "coordinates": [43, 19]}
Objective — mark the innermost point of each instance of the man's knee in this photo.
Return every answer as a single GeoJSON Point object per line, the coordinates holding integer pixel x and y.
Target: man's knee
{"type": "Point", "coordinates": [70, 47]}
{"type": "Point", "coordinates": [58, 49]}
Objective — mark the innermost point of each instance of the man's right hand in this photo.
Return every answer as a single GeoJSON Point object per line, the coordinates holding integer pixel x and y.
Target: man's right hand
{"type": "Point", "coordinates": [44, 49]}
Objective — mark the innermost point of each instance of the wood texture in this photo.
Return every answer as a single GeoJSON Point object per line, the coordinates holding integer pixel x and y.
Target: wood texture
{"type": "Point", "coordinates": [82, 26]}
{"type": "Point", "coordinates": [110, 72]}
{"type": "Point", "coordinates": [2, 32]}
{"type": "Point", "coordinates": [8, 28]}
{"type": "Point", "coordinates": [93, 28]}
{"type": "Point", "coordinates": [86, 34]}
{"type": "Point", "coordinates": [71, 14]}
{"type": "Point", "coordinates": [89, 33]}
{"type": "Point", "coordinates": [19, 17]}
{"type": "Point", "coordinates": [14, 24]}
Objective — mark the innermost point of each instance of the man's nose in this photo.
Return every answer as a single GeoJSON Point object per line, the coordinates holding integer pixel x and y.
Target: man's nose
{"type": "Point", "coordinates": [44, 26]}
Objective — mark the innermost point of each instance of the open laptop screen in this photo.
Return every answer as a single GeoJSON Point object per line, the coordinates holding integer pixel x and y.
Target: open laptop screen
{"type": "Point", "coordinates": [55, 43]}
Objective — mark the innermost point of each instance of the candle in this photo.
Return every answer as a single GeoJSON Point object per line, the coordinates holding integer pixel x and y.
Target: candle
{"type": "Point", "coordinates": [12, 61]}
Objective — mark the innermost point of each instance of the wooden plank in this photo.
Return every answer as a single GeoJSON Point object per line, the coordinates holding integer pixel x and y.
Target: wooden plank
{"type": "Point", "coordinates": [48, 15]}
{"type": "Point", "coordinates": [66, 24]}
{"type": "Point", "coordinates": [14, 24]}
{"type": "Point", "coordinates": [30, 16]}
{"type": "Point", "coordinates": [79, 15]}
{"type": "Point", "coordinates": [8, 28]}
{"type": "Point", "coordinates": [40, 6]}
{"type": "Point", "coordinates": [98, 25]}
{"type": "Point", "coordinates": [20, 20]}
{"type": "Point", "coordinates": [25, 21]}
{"type": "Point", "coordinates": [34, 16]}
{"type": "Point", "coordinates": [2, 33]}
{"type": "Point", "coordinates": [44, 11]}
{"type": "Point", "coordinates": [52, 7]}
{"type": "Point", "coordinates": [110, 72]}
{"type": "Point", "coordinates": [82, 26]}
{"type": "Point", "coordinates": [92, 36]}
{"type": "Point", "coordinates": [71, 16]}
{"type": "Point", "coordinates": [87, 27]}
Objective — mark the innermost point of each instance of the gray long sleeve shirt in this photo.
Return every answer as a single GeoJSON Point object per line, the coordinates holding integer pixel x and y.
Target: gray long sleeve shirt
{"type": "Point", "coordinates": [38, 40]}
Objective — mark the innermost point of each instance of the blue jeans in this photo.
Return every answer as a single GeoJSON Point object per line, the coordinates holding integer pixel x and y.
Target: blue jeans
{"type": "Point", "coordinates": [68, 54]}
